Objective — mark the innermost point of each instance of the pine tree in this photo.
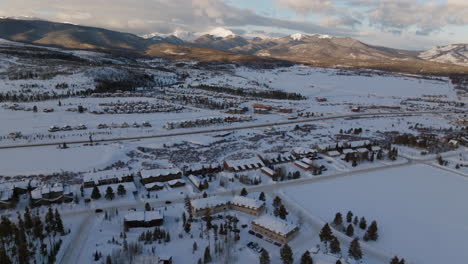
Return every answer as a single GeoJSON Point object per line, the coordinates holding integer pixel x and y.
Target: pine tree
{"type": "Point", "coordinates": [261, 197]}
{"type": "Point", "coordinates": [28, 223]}
{"type": "Point", "coordinates": [355, 251]}
{"type": "Point", "coordinates": [286, 254]}
{"type": "Point", "coordinates": [306, 258]}
{"type": "Point", "coordinates": [4, 258]}
{"type": "Point", "coordinates": [147, 207]}
{"type": "Point", "coordinates": [277, 202]}
{"type": "Point", "coordinates": [395, 260]}
{"type": "Point", "coordinates": [95, 194]}
{"type": "Point", "coordinates": [207, 255]}
{"type": "Point", "coordinates": [349, 217]}
{"type": "Point", "coordinates": [363, 223]}
{"type": "Point", "coordinates": [335, 246]}
{"type": "Point", "coordinates": [402, 261]}
{"type": "Point", "coordinates": [243, 192]}
{"type": "Point", "coordinates": [372, 232]}
{"type": "Point", "coordinates": [96, 256]}
{"type": "Point", "coordinates": [121, 190]}
{"type": "Point", "coordinates": [338, 262]}
{"type": "Point", "coordinates": [58, 222]}
{"type": "Point", "coordinates": [108, 260]}
{"type": "Point", "coordinates": [356, 220]}
{"type": "Point", "coordinates": [325, 233]}
{"type": "Point", "coordinates": [109, 194]}
{"type": "Point", "coordinates": [282, 212]}
{"type": "Point", "coordinates": [194, 247]}
{"type": "Point", "coordinates": [187, 227]}
{"type": "Point", "coordinates": [50, 221]}
{"type": "Point", "coordinates": [264, 257]}
{"type": "Point", "coordinates": [350, 230]}
{"type": "Point", "coordinates": [338, 221]}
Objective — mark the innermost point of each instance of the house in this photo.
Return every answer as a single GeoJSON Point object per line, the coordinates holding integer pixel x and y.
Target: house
{"type": "Point", "coordinates": [333, 153]}
{"type": "Point", "coordinates": [358, 144]}
{"type": "Point", "coordinates": [7, 200]}
{"type": "Point", "coordinates": [50, 194]}
{"type": "Point", "coordinates": [285, 110]}
{"type": "Point", "coordinates": [304, 152]}
{"type": "Point", "coordinates": [160, 175]}
{"type": "Point", "coordinates": [267, 171]}
{"type": "Point", "coordinates": [243, 165]}
{"type": "Point", "coordinates": [276, 158]}
{"type": "Point", "coordinates": [348, 151]}
{"type": "Point", "coordinates": [376, 148]}
{"type": "Point", "coordinates": [302, 165]}
{"type": "Point", "coordinates": [143, 219]}
{"type": "Point", "coordinates": [154, 186]}
{"type": "Point", "coordinates": [453, 143]}
{"type": "Point", "coordinates": [274, 228]}
{"type": "Point", "coordinates": [106, 177]}
{"type": "Point", "coordinates": [362, 150]}
{"type": "Point", "coordinates": [176, 183]}
{"type": "Point", "coordinates": [201, 169]}
{"type": "Point", "coordinates": [312, 165]}
{"type": "Point", "coordinates": [214, 205]}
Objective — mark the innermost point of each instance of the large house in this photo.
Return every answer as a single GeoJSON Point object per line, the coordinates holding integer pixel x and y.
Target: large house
{"type": "Point", "coordinates": [243, 165]}
{"type": "Point", "coordinates": [51, 193]}
{"type": "Point", "coordinates": [274, 228]}
{"type": "Point", "coordinates": [143, 219]}
{"type": "Point", "coordinates": [6, 199]}
{"type": "Point", "coordinates": [106, 177]}
{"type": "Point", "coordinates": [160, 175]}
{"type": "Point", "coordinates": [276, 158]}
{"type": "Point", "coordinates": [214, 205]}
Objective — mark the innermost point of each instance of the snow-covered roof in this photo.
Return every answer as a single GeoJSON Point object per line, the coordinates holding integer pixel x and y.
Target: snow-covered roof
{"type": "Point", "coordinates": [375, 148]}
{"type": "Point", "coordinates": [245, 164]}
{"type": "Point", "coordinates": [6, 195]}
{"type": "Point", "coordinates": [15, 184]}
{"type": "Point", "coordinates": [105, 175]}
{"type": "Point", "coordinates": [209, 202]}
{"type": "Point", "coordinates": [276, 225]}
{"type": "Point", "coordinates": [195, 180]}
{"type": "Point", "coordinates": [151, 185]}
{"type": "Point", "coordinates": [268, 170]}
{"type": "Point", "coordinates": [360, 143]}
{"type": "Point", "coordinates": [346, 151]}
{"type": "Point", "coordinates": [246, 202]}
{"type": "Point", "coordinates": [197, 167]}
{"type": "Point", "coordinates": [362, 150]}
{"type": "Point", "coordinates": [172, 182]}
{"type": "Point", "coordinates": [46, 189]}
{"type": "Point", "coordinates": [302, 150]}
{"type": "Point", "coordinates": [333, 153]}
{"type": "Point", "coordinates": [301, 164]}
{"type": "Point", "coordinates": [155, 173]}
{"type": "Point", "coordinates": [144, 216]}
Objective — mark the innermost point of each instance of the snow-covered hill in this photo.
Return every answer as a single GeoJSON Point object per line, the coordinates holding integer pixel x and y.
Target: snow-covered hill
{"type": "Point", "coordinates": [455, 53]}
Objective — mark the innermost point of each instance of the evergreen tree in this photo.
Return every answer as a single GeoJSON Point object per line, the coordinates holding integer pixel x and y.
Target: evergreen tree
{"type": "Point", "coordinates": [350, 230]}
{"type": "Point", "coordinates": [187, 227]}
{"type": "Point", "coordinates": [354, 250]}
{"type": "Point", "coordinates": [306, 258]}
{"type": "Point", "coordinates": [402, 261]}
{"type": "Point", "coordinates": [349, 217]}
{"type": "Point", "coordinates": [261, 197]}
{"type": "Point", "coordinates": [109, 194]}
{"type": "Point", "coordinates": [121, 190]}
{"type": "Point", "coordinates": [4, 258]}
{"type": "Point", "coordinates": [58, 222]}
{"type": "Point", "coordinates": [264, 257]}
{"type": "Point", "coordinates": [338, 262]}
{"type": "Point", "coordinates": [356, 220]}
{"type": "Point", "coordinates": [28, 223]}
{"type": "Point", "coordinates": [363, 223]}
{"type": "Point", "coordinates": [243, 192]}
{"type": "Point", "coordinates": [95, 194]}
{"type": "Point", "coordinates": [50, 221]}
{"type": "Point", "coordinates": [207, 255]}
{"type": "Point", "coordinates": [395, 260]}
{"type": "Point", "coordinates": [194, 247]}
{"type": "Point", "coordinates": [286, 254]}
{"type": "Point", "coordinates": [372, 232]}
{"type": "Point", "coordinates": [282, 212]}
{"type": "Point", "coordinates": [147, 207]}
{"type": "Point", "coordinates": [338, 221]}
{"type": "Point", "coordinates": [335, 246]}
{"type": "Point", "coordinates": [108, 260]}
{"type": "Point", "coordinates": [325, 233]}
{"type": "Point", "coordinates": [277, 202]}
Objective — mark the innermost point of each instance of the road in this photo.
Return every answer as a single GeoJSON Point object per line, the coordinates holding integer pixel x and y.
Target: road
{"type": "Point", "coordinates": [225, 129]}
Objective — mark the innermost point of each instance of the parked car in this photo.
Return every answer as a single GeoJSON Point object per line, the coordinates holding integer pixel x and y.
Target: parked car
{"type": "Point", "coordinates": [168, 202]}
{"type": "Point", "coordinates": [54, 129]}
{"type": "Point", "coordinates": [252, 232]}
{"type": "Point", "coordinates": [98, 210]}
{"type": "Point", "coordinates": [259, 235]}
{"type": "Point", "coordinates": [277, 244]}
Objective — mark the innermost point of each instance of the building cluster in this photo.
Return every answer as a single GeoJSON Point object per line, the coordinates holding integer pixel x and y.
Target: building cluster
{"type": "Point", "coordinates": [268, 109]}
{"type": "Point", "coordinates": [206, 121]}
{"type": "Point", "coordinates": [50, 194]}
{"type": "Point", "coordinates": [269, 226]}
{"type": "Point", "coordinates": [10, 191]}
{"type": "Point", "coordinates": [362, 147]}
{"type": "Point", "coordinates": [141, 107]}
{"type": "Point", "coordinates": [143, 219]}
{"type": "Point", "coordinates": [124, 125]}
{"type": "Point", "coordinates": [156, 179]}
{"type": "Point", "coordinates": [107, 178]}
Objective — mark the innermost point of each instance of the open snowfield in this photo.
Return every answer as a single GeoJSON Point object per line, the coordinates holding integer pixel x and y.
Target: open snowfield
{"type": "Point", "coordinates": [421, 211]}
{"type": "Point", "coordinates": [43, 160]}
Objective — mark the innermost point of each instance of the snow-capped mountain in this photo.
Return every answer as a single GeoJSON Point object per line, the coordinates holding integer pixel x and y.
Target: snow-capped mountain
{"type": "Point", "coordinates": [455, 53]}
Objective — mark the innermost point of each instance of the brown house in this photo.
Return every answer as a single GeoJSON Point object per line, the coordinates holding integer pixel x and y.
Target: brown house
{"type": "Point", "coordinates": [214, 205]}
{"type": "Point", "coordinates": [143, 219]}
{"type": "Point", "coordinates": [275, 228]}
{"type": "Point", "coordinates": [160, 175]}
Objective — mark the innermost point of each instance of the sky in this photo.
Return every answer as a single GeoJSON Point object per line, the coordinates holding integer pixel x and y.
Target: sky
{"type": "Point", "coordinates": [405, 24]}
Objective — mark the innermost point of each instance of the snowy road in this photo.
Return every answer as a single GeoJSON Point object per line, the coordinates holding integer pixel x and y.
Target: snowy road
{"type": "Point", "coordinates": [215, 130]}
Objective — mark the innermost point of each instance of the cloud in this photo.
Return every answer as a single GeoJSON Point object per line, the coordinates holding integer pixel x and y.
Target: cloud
{"type": "Point", "coordinates": [147, 16]}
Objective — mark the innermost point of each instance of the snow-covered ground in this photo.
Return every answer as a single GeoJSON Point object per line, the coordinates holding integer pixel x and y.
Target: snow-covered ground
{"type": "Point", "coordinates": [420, 210]}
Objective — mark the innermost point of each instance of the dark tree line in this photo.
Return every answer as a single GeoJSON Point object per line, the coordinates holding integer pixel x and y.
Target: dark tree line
{"type": "Point", "coordinates": [272, 94]}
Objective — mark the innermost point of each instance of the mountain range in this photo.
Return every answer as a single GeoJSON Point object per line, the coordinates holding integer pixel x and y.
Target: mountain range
{"type": "Point", "coordinates": [222, 46]}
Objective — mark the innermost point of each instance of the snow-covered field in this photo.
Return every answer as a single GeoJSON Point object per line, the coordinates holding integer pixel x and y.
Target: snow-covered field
{"type": "Point", "coordinates": [420, 210]}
